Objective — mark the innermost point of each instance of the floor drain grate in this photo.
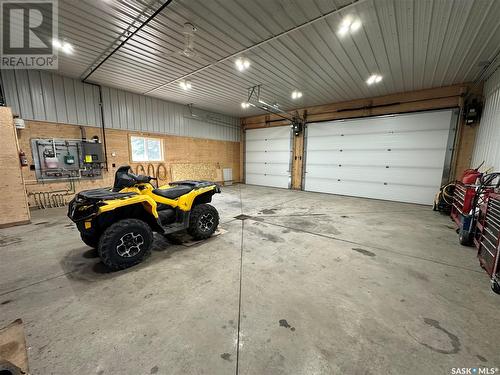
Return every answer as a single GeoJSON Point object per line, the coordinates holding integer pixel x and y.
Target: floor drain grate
{"type": "Point", "coordinates": [242, 217]}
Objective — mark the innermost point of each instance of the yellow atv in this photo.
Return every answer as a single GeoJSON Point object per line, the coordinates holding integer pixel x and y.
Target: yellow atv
{"type": "Point", "coordinates": [120, 222]}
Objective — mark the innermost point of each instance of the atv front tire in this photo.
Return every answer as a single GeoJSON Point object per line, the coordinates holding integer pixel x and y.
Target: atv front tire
{"type": "Point", "coordinates": [91, 241]}
{"type": "Point", "coordinates": [125, 243]}
{"type": "Point", "coordinates": [203, 221]}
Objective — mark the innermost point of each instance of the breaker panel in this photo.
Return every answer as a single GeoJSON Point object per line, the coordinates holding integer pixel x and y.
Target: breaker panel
{"type": "Point", "coordinates": [62, 159]}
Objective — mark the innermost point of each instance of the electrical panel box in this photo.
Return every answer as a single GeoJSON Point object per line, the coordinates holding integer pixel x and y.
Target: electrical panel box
{"type": "Point", "coordinates": [62, 159]}
{"type": "Point", "coordinates": [92, 152]}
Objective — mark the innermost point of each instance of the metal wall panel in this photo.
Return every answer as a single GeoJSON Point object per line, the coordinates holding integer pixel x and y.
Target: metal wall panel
{"type": "Point", "coordinates": [487, 145]}
{"type": "Point", "coordinates": [399, 158]}
{"type": "Point", "coordinates": [44, 96]}
{"type": "Point", "coordinates": [144, 113]}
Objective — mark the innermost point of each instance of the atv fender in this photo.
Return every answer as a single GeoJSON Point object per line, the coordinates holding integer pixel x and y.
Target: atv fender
{"type": "Point", "coordinates": [186, 202]}
{"type": "Point", "coordinates": [146, 202]}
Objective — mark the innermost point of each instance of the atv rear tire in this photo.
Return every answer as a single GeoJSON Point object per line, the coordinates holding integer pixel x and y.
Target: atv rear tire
{"type": "Point", "coordinates": [125, 243]}
{"type": "Point", "coordinates": [203, 221]}
{"type": "Point", "coordinates": [91, 241]}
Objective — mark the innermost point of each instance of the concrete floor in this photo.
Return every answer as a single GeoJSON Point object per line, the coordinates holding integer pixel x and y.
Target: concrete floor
{"type": "Point", "coordinates": [309, 284]}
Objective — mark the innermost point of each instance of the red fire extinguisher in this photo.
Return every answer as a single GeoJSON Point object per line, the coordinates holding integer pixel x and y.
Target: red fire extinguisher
{"type": "Point", "coordinates": [23, 159]}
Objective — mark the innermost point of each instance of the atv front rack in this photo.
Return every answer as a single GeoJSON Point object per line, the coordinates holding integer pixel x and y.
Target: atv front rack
{"type": "Point", "coordinates": [86, 203]}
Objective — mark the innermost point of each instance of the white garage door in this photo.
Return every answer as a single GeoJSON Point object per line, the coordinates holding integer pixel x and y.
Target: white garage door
{"type": "Point", "coordinates": [398, 158]}
{"type": "Point", "coordinates": [267, 156]}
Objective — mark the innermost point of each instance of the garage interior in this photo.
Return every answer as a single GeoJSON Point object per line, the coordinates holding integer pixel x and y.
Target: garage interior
{"type": "Point", "coordinates": [356, 148]}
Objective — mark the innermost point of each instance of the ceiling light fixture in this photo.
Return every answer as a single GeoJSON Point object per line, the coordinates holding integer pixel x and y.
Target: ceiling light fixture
{"type": "Point", "coordinates": [242, 64]}
{"type": "Point", "coordinates": [296, 94]}
{"type": "Point", "coordinates": [374, 78]}
{"type": "Point", "coordinates": [67, 48]}
{"type": "Point", "coordinates": [64, 46]}
{"type": "Point", "coordinates": [343, 30]}
{"type": "Point", "coordinates": [355, 25]}
{"type": "Point", "coordinates": [245, 105]}
{"type": "Point", "coordinates": [57, 44]}
{"type": "Point", "coordinates": [349, 24]}
{"type": "Point", "coordinates": [185, 85]}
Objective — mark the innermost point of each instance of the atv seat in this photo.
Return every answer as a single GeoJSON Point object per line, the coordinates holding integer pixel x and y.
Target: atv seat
{"type": "Point", "coordinates": [173, 192]}
{"type": "Point", "coordinates": [124, 178]}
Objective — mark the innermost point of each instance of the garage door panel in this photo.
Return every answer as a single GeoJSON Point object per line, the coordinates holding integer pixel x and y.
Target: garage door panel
{"type": "Point", "coordinates": [277, 169]}
{"type": "Point", "coordinates": [400, 193]}
{"type": "Point", "coordinates": [413, 176]}
{"type": "Point", "coordinates": [279, 132]}
{"type": "Point", "coordinates": [254, 168]}
{"type": "Point", "coordinates": [268, 168]}
{"type": "Point", "coordinates": [396, 158]}
{"type": "Point", "coordinates": [268, 146]}
{"type": "Point", "coordinates": [376, 125]}
{"type": "Point", "coordinates": [254, 146]}
{"type": "Point", "coordinates": [267, 180]}
{"type": "Point", "coordinates": [421, 140]}
{"type": "Point", "coordinates": [268, 157]}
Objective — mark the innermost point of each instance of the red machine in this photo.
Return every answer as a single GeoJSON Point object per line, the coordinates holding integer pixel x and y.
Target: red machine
{"type": "Point", "coordinates": [470, 193]}
{"type": "Point", "coordinates": [471, 175]}
{"type": "Point", "coordinates": [465, 200]}
{"type": "Point", "coordinates": [487, 238]}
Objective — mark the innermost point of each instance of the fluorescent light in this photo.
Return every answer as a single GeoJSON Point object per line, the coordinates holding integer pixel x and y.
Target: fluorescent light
{"type": "Point", "coordinates": [355, 25]}
{"type": "Point", "coordinates": [242, 64]}
{"type": "Point", "coordinates": [296, 94]}
{"type": "Point", "coordinates": [374, 78]}
{"type": "Point", "coordinates": [245, 105]}
{"type": "Point", "coordinates": [185, 85]}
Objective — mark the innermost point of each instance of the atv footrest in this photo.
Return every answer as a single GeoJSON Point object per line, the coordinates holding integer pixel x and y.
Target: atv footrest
{"type": "Point", "coordinates": [174, 228]}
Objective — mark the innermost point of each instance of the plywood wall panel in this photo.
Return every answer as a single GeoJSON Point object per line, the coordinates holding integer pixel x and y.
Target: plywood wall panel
{"type": "Point", "coordinates": [13, 205]}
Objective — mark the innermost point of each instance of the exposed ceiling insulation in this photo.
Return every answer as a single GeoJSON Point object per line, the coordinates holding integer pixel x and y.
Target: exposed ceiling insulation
{"type": "Point", "coordinates": [411, 44]}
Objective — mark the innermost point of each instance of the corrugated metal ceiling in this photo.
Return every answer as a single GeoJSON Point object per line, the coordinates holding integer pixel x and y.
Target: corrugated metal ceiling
{"type": "Point", "coordinates": [413, 44]}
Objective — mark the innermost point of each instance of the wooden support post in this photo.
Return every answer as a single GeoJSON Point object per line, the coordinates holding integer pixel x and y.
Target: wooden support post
{"type": "Point", "coordinates": [242, 155]}
{"type": "Point", "coordinates": [297, 155]}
